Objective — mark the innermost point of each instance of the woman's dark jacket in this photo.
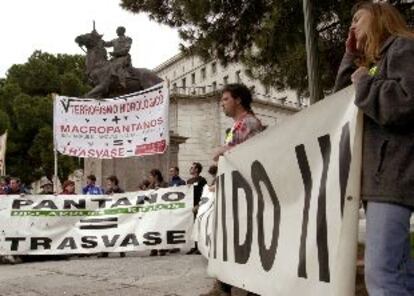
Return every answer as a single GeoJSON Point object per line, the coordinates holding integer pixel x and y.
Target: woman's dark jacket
{"type": "Point", "coordinates": [386, 96]}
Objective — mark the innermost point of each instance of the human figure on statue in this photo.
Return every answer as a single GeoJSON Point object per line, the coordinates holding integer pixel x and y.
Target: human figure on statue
{"type": "Point", "coordinates": [121, 59]}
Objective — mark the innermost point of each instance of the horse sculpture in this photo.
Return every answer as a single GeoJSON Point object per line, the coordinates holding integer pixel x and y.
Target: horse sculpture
{"type": "Point", "coordinates": [102, 76]}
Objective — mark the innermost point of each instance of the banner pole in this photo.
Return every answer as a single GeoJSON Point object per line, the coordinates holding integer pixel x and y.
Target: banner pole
{"type": "Point", "coordinates": [4, 154]}
{"type": "Point", "coordinates": [55, 174]}
{"type": "Point", "coordinates": [55, 152]}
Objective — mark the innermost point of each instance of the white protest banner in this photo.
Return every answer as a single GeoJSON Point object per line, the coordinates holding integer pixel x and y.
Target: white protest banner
{"type": "Point", "coordinates": [131, 125]}
{"type": "Point", "coordinates": [3, 145]}
{"type": "Point", "coordinates": [286, 214]}
{"type": "Point", "coordinates": [134, 221]}
{"type": "Point", "coordinates": [203, 228]}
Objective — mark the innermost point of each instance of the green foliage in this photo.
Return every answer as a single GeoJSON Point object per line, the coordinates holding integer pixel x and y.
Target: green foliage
{"type": "Point", "coordinates": [26, 110]}
{"type": "Point", "coordinates": [267, 36]}
{"type": "Point", "coordinates": [4, 122]}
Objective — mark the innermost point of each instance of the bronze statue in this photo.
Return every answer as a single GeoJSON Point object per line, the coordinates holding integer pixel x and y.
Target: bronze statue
{"type": "Point", "coordinates": [116, 76]}
{"type": "Point", "coordinates": [121, 59]}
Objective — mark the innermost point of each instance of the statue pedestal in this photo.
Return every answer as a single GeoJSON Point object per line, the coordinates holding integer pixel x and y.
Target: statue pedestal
{"type": "Point", "coordinates": [131, 171]}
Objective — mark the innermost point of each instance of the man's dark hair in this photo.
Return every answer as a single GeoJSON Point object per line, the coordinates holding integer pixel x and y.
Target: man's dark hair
{"type": "Point", "coordinates": [156, 173]}
{"type": "Point", "coordinates": [176, 168]}
{"type": "Point", "coordinates": [91, 177]}
{"type": "Point", "coordinates": [113, 179]}
{"type": "Point", "coordinates": [144, 184]}
{"type": "Point", "coordinates": [212, 170]}
{"type": "Point", "coordinates": [18, 181]}
{"type": "Point", "coordinates": [198, 166]}
{"type": "Point", "coordinates": [242, 92]}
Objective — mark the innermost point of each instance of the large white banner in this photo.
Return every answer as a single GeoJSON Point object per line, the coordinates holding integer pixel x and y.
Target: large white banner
{"type": "Point", "coordinates": [286, 211]}
{"type": "Point", "coordinates": [131, 125]}
{"type": "Point", "coordinates": [3, 145]}
{"type": "Point", "coordinates": [134, 221]}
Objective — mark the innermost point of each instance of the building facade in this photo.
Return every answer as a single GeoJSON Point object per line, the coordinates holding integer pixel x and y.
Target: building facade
{"type": "Point", "coordinates": [190, 75]}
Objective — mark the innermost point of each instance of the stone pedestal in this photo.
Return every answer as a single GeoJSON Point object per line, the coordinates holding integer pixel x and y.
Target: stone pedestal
{"type": "Point", "coordinates": [131, 171]}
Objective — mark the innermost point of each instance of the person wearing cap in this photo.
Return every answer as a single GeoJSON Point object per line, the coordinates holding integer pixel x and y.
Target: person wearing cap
{"type": "Point", "coordinates": [46, 185]}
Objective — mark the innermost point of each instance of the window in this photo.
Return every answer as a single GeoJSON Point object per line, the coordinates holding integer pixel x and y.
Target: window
{"type": "Point", "coordinates": [214, 67]}
{"type": "Point", "coordinates": [214, 85]}
{"type": "Point", "coordinates": [203, 90]}
{"type": "Point", "coordinates": [174, 86]}
{"type": "Point", "coordinates": [267, 89]}
{"type": "Point", "coordinates": [226, 80]}
{"type": "Point", "coordinates": [203, 73]}
{"type": "Point", "coordinates": [238, 78]}
{"type": "Point", "coordinates": [183, 82]}
{"type": "Point", "coordinates": [193, 78]}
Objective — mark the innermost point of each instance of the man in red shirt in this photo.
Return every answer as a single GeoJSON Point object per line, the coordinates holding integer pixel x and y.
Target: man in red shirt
{"type": "Point", "coordinates": [236, 102]}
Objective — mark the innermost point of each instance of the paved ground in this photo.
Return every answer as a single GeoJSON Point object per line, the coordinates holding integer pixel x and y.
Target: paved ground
{"type": "Point", "coordinates": [173, 275]}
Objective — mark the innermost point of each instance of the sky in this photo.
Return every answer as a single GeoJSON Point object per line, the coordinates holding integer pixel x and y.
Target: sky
{"type": "Point", "coordinates": [52, 25]}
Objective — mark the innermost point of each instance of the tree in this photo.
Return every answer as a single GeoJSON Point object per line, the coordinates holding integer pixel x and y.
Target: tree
{"type": "Point", "coordinates": [26, 110]}
{"type": "Point", "coordinates": [267, 36]}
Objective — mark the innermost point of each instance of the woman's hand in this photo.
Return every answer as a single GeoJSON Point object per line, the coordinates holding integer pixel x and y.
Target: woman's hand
{"type": "Point", "coordinates": [351, 43]}
{"type": "Point", "coordinates": [360, 72]}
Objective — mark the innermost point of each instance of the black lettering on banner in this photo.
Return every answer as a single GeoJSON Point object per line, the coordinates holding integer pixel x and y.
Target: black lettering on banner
{"type": "Point", "coordinates": [35, 242]}
{"type": "Point", "coordinates": [101, 202]}
{"type": "Point", "coordinates": [141, 199]}
{"type": "Point", "coordinates": [223, 216]}
{"type": "Point", "coordinates": [89, 242]}
{"type": "Point", "coordinates": [175, 237]}
{"type": "Point", "coordinates": [14, 242]}
{"type": "Point", "coordinates": [321, 220]}
{"type": "Point", "coordinates": [68, 242]}
{"type": "Point", "coordinates": [344, 162]}
{"type": "Point", "coordinates": [152, 238]}
{"type": "Point", "coordinates": [307, 182]}
{"type": "Point", "coordinates": [130, 239]}
{"type": "Point", "coordinates": [267, 255]}
{"type": "Point", "coordinates": [110, 243]}
{"type": "Point", "coordinates": [124, 201]}
{"type": "Point", "coordinates": [69, 204]}
{"type": "Point", "coordinates": [98, 223]}
{"type": "Point", "coordinates": [46, 204]}
{"type": "Point", "coordinates": [215, 216]}
{"type": "Point", "coordinates": [321, 223]}
{"type": "Point", "coordinates": [18, 203]}
{"type": "Point", "coordinates": [66, 104]}
{"type": "Point", "coordinates": [178, 196]}
{"type": "Point", "coordinates": [242, 251]}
